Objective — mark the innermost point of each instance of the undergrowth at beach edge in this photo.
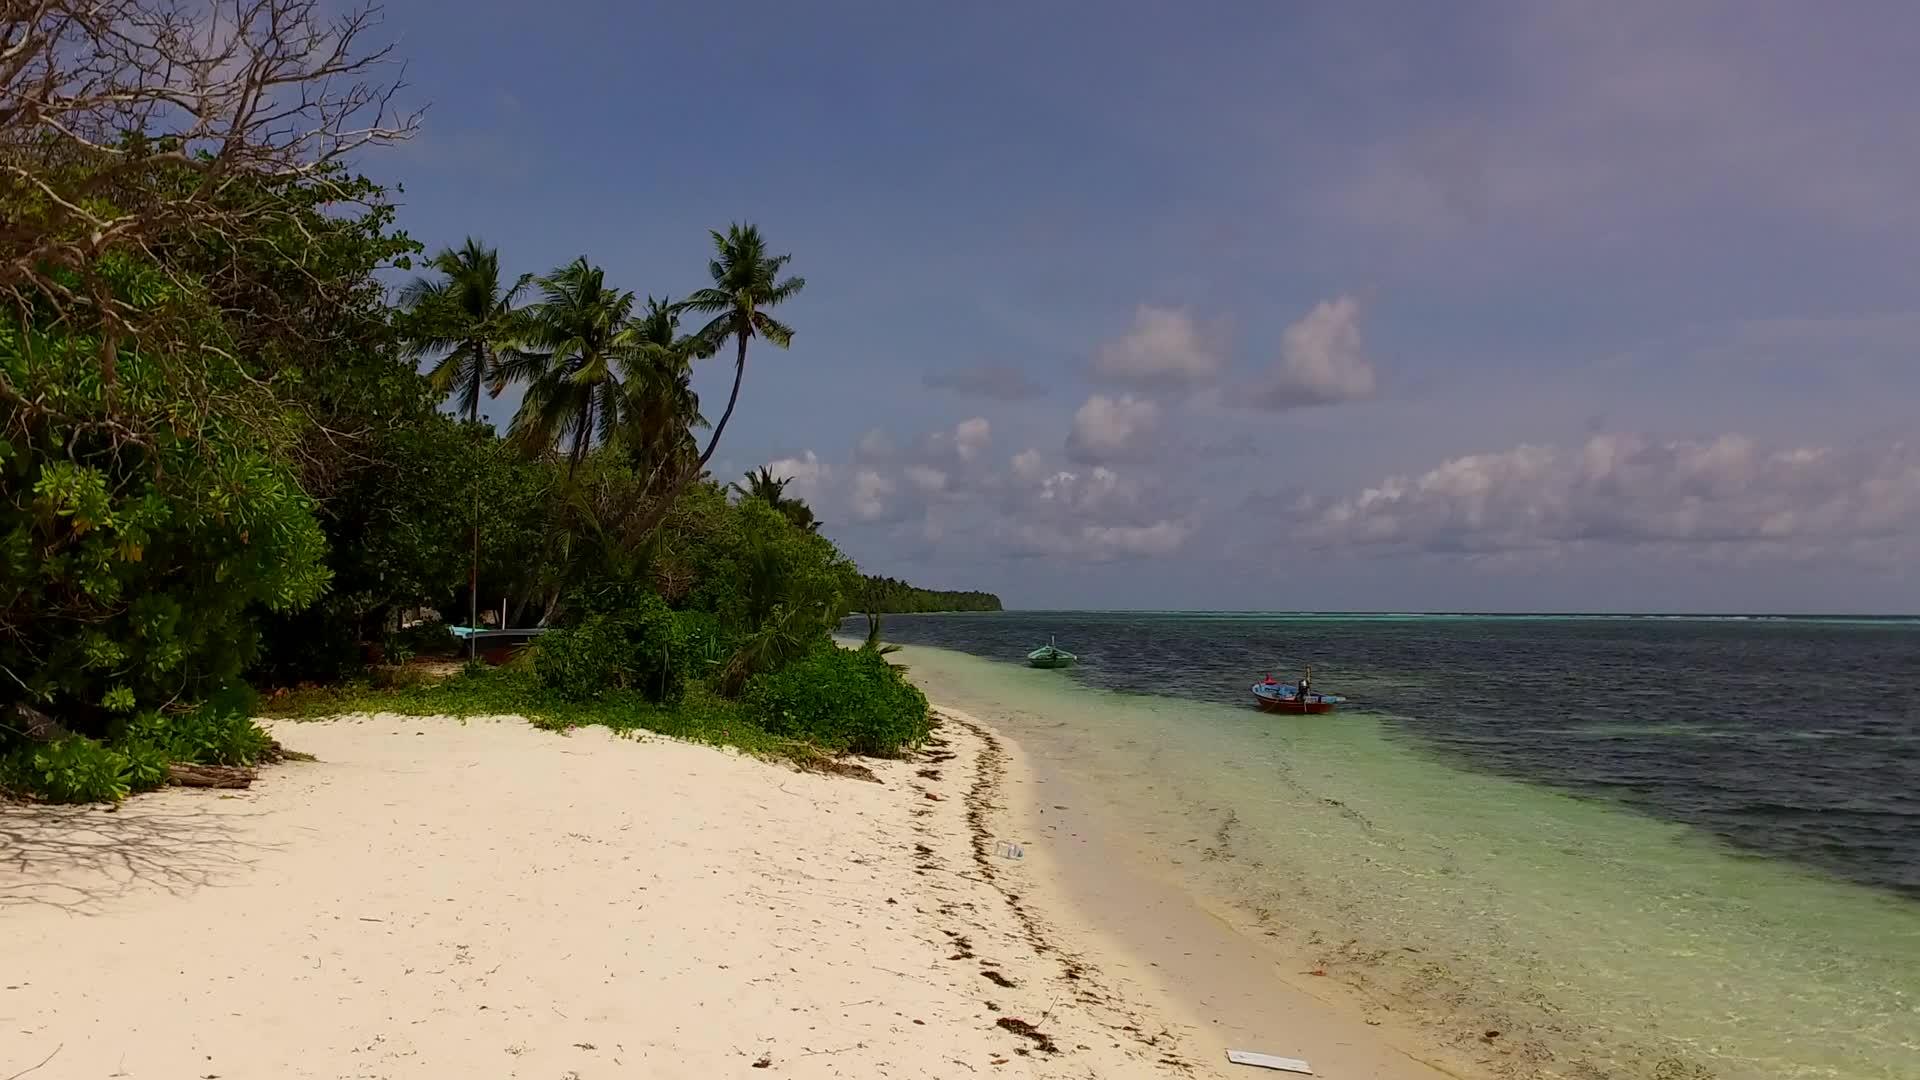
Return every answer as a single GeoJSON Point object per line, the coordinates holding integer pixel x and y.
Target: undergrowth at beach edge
{"type": "Point", "coordinates": [516, 690]}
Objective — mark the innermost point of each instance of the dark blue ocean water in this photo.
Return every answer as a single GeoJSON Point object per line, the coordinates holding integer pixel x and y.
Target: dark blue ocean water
{"type": "Point", "coordinates": [1788, 737]}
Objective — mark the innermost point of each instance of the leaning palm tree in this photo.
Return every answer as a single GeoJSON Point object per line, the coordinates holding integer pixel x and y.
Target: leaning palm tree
{"type": "Point", "coordinates": [746, 282]}
{"type": "Point", "coordinates": [573, 362]}
{"type": "Point", "coordinates": [465, 318]}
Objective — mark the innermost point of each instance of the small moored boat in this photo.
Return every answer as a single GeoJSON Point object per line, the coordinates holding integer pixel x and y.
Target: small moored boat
{"type": "Point", "coordinates": [1274, 696]}
{"type": "Point", "coordinates": [1050, 656]}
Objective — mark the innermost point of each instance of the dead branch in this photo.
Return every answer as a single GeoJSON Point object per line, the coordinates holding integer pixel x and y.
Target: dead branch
{"type": "Point", "coordinates": [209, 776]}
{"type": "Point", "coordinates": [123, 120]}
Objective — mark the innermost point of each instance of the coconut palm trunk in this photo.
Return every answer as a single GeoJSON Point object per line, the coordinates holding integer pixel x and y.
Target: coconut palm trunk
{"type": "Point", "coordinates": [739, 372]}
{"type": "Point", "coordinates": [582, 438]}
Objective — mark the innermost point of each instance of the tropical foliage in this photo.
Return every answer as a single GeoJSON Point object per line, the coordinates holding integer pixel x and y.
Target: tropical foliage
{"type": "Point", "coordinates": [770, 489]}
{"type": "Point", "coordinates": [466, 319]}
{"type": "Point", "coordinates": [221, 460]}
{"type": "Point", "coordinates": [841, 699]}
{"type": "Point", "coordinates": [146, 512]}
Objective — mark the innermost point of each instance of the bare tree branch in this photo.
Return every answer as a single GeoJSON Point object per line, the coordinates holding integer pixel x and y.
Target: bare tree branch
{"type": "Point", "coordinates": [105, 104]}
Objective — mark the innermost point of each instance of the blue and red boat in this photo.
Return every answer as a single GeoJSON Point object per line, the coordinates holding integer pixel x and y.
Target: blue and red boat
{"type": "Point", "coordinates": [1272, 695]}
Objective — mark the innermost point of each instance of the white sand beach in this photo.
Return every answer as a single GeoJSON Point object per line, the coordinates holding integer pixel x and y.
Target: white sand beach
{"type": "Point", "coordinates": [438, 898]}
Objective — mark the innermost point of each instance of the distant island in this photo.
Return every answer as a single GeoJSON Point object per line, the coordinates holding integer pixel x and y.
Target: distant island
{"type": "Point", "coordinates": [887, 596]}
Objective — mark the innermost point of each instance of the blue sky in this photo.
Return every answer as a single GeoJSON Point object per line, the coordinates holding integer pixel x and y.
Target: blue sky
{"type": "Point", "coordinates": [1376, 306]}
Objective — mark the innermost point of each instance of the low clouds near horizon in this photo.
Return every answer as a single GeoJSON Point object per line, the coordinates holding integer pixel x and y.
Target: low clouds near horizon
{"type": "Point", "coordinates": [1731, 497]}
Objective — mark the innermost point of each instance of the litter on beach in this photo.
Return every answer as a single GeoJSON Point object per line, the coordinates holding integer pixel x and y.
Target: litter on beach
{"type": "Point", "coordinates": [1007, 849]}
{"type": "Point", "coordinates": [1268, 1061]}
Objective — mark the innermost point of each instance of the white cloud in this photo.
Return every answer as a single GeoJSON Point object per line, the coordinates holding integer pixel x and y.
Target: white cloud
{"type": "Point", "coordinates": [1113, 429]}
{"type": "Point", "coordinates": [958, 446]}
{"type": "Point", "coordinates": [870, 493]}
{"type": "Point", "coordinates": [808, 476]}
{"type": "Point", "coordinates": [1164, 346]}
{"type": "Point", "coordinates": [1160, 538]}
{"type": "Point", "coordinates": [875, 445]}
{"type": "Point", "coordinates": [1322, 360]}
{"type": "Point", "coordinates": [1628, 490]}
{"type": "Point", "coordinates": [946, 492]}
{"type": "Point", "coordinates": [1096, 513]}
{"type": "Point", "coordinates": [926, 478]}
{"type": "Point", "coordinates": [972, 436]}
{"type": "Point", "coordinates": [1093, 542]}
{"type": "Point", "coordinates": [1100, 490]}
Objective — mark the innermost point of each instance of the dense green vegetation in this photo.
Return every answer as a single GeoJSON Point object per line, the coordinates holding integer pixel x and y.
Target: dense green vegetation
{"type": "Point", "coordinates": [222, 464]}
{"type": "Point", "coordinates": [516, 689]}
{"type": "Point", "coordinates": [886, 595]}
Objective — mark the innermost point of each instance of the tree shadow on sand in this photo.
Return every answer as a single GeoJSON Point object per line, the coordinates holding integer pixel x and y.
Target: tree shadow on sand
{"type": "Point", "coordinates": [78, 858]}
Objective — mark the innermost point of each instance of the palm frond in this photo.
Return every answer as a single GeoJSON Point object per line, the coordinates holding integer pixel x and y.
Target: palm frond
{"type": "Point", "coordinates": [519, 365]}
{"type": "Point", "coordinates": [421, 292]}
{"type": "Point", "coordinates": [706, 301]}
{"type": "Point", "coordinates": [786, 290]}
{"type": "Point", "coordinates": [775, 331]}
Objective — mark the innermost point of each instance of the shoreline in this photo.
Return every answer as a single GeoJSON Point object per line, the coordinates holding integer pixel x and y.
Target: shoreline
{"type": "Point", "coordinates": [1195, 965]}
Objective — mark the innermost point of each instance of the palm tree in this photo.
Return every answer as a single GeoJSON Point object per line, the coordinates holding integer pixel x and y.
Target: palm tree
{"type": "Point", "coordinates": [745, 283]}
{"type": "Point", "coordinates": [660, 410]}
{"type": "Point", "coordinates": [763, 485]}
{"type": "Point", "coordinates": [573, 366]}
{"type": "Point", "coordinates": [466, 318]}
{"type": "Point", "coordinates": [771, 489]}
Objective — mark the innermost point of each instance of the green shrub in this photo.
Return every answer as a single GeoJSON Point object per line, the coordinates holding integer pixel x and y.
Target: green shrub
{"type": "Point", "coordinates": [146, 765]}
{"type": "Point", "coordinates": [71, 769]}
{"type": "Point", "coordinates": [581, 662]}
{"type": "Point", "coordinates": [628, 639]}
{"type": "Point", "coordinates": [209, 735]}
{"type": "Point", "coordinates": [147, 511]}
{"type": "Point", "coordinates": [841, 699]}
{"type": "Point", "coordinates": [705, 641]}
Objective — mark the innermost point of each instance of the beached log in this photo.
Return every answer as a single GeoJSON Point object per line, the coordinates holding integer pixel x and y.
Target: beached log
{"type": "Point", "coordinates": [209, 776]}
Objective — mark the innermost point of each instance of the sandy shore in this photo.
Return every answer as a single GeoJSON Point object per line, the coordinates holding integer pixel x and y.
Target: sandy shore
{"type": "Point", "coordinates": [438, 898]}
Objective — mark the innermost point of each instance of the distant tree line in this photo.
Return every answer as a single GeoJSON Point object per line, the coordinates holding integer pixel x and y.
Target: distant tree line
{"type": "Point", "coordinates": [885, 595]}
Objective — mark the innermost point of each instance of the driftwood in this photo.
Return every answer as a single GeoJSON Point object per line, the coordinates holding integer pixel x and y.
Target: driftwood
{"type": "Point", "coordinates": [209, 776]}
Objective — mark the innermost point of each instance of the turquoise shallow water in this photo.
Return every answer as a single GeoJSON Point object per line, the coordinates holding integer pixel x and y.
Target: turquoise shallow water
{"type": "Point", "coordinates": [1797, 738]}
{"type": "Point", "coordinates": [1602, 940]}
